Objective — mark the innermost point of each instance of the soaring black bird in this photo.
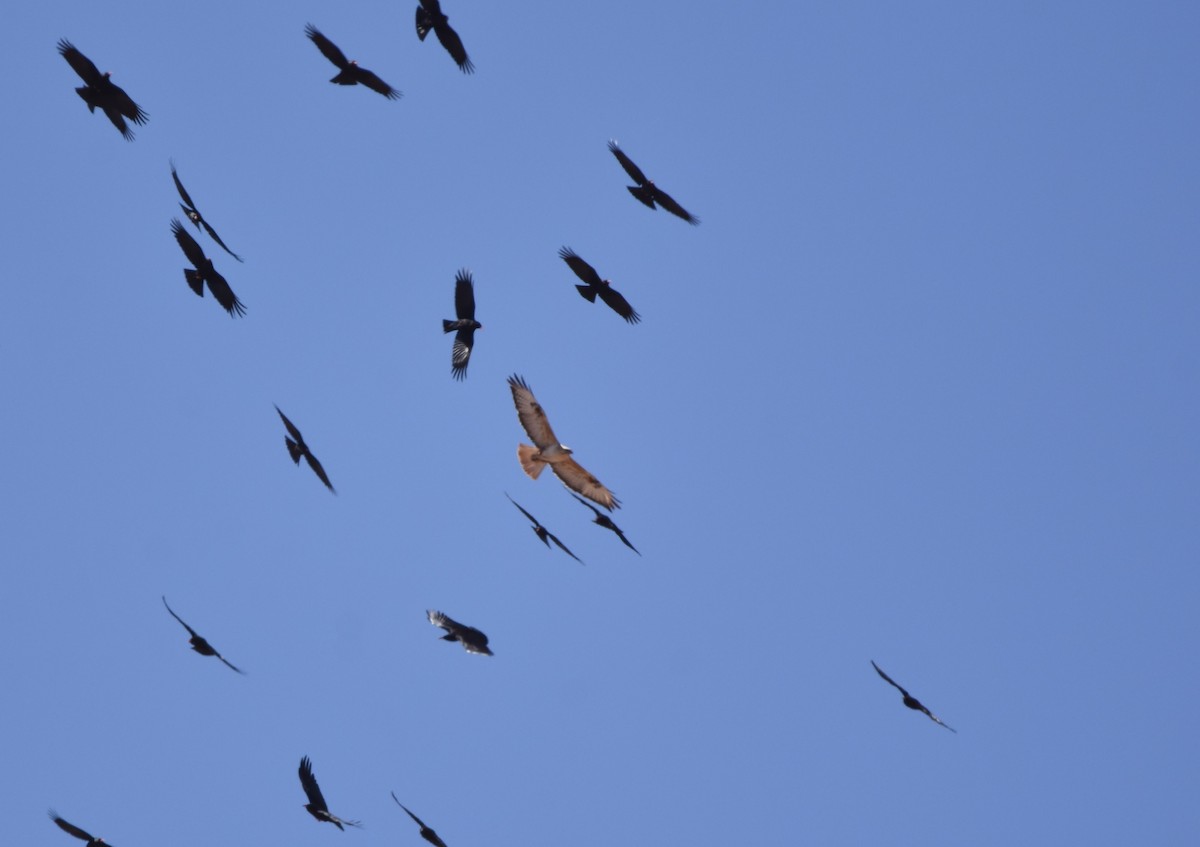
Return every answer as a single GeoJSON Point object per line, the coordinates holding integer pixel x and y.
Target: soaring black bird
{"type": "Point", "coordinates": [911, 701]}
{"type": "Point", "coordinates": [607, 522]}
{"type": "Point", "coordinates": [197, 641]}
{"type": "Point", "coordinates": [426, 833]}
{"type": "Point", "coordinates": [429, 16]}
{"type": "Point", "coordinates": [464, 311]}
{"type": "Point", "coordinates": [297, 448]}
{"type": "Point", "coordinates": [597, 286]}
{"type": "Point", "coordinates": [205, 272]}
{"type": "Point", "coordinates": [316, 803]}
{"type": "Point", "coordinates": [193, 214]}
{"type": "Point", "coordinates": [546, 535]}
{"type": "Point", "coordinates": [349, 73]}
{"type": "Point", "coordinates": [70, 828]}
{"type": "Point", "coordinates": [646, 191]}
{"type": "Point", "coordinates": [472, 640]}
{"type": "Point", "coordinates": [100, 92]}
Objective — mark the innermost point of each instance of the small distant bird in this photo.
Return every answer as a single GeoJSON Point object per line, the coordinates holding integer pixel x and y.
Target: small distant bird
{"type": "Point", "coordinates": [607, 522]}
{"type": "Point", "coordinates": [100, 92]}
{"type": "Point", "coordinates": [349, 73]}
{"type": "Point", "coordinates": [472, 640]}
{"type": "Point", "coordinates": [76, 831]}
{"type": "Point", "coordinates": [426, 833]}
{"type": "Point", "coordinates": [546, 535]}
{"type": "Point", "coordinates": [913, 702]}
{"type": "Point", "coordinates": [205, 272]}
{"type": "Point", "coordinates": [316, 803]}
{"type": "Point", "coordinates": [297, 448]}
{"type": "Point", "coordinates": [197, 641]}
{"type": "Point", "coordinates": [429, 16]}
{"type": "Point", "coordinates": [550, 451]}
{"type": "Point", "coordinates": [464, 310]}
{"type": "Point", "coordinates": [193, 214]}
{"type": "Point", "coordinates": [646, 191]}
{"type": "Point", "coordinates": [597, 286]}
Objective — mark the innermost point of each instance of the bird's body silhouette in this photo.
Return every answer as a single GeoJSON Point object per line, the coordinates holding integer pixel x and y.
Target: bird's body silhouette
{"type": "Point", "coordinates": [205, 273]}
{"type": "Point", "coordinates": [297, 448]}
{"type": "Point", "coordinates": [316, 805]}
{"type": "Point", "coordinates": [472, 640]}
{"type": "Point", "coordinates": [193, 214]}
{"type": "Point", "coordinates": [646, 191]}
{"type": "Point", "coordinates": [70, 828]}
{"type": "Point", "coordinates": [349, 73]}
{"type": "Point", "coordinates": [199, 644]}
{"type": "Point", "coordinates": [544, 534]}
{"type": "Point", "coordinates": [426, 833]}
{"type": "Point", "coordinates": [464, 326]}
{"type": "Point", "coordinates": [100, 92]}
{"type": "Point", "coordinates": [430, 17]}
{"type": "Point", "coordinates": [913, 702]}
{"type": "Point", "coordinates": [594, 286]}
{"type": "Point", "coordinates": [607, 522]}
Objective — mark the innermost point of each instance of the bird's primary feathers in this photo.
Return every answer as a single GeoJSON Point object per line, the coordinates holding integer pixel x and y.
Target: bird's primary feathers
{"type": "Point", "coordinates": [472, 639]}
{"type": "Point", "coordinates": [297, 448]}
{"type": "Point", "coordinates": [646, 191]}
{"type": "Point", "coordinates": [349, 73]}
{"type": "Point", "coordinates": [199, 644]}
{"type": "Point", "coordinates": [71, 829]}
{"type": "Point", "coordinates": [464, 312]}
{"type": "Point", "coordinates": [100, 92]}
{"type": "Point", "coordinates": [550, 452]}
{"type": "Point", "coordinates": [205, 273]}
{"type": "Point", "coordinates": [912, 702]}
{"type": "Point", "coordinates": [316, 805]}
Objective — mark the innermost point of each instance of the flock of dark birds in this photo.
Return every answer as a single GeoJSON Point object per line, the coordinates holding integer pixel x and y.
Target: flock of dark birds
{"type": "Point", "coordinates": [99, 92]}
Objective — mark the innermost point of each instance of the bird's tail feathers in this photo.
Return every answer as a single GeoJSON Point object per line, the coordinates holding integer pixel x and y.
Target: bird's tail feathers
{"type": "Point", "coordinates": [293, 449]}
{"type": "Point", "coordinates": [588, 292]}
{"type": "Point", "coordinates": [424, 23]}
{"type": "Point", "coordinates": [194, 281]}
{"type": "Point", "coordinates": [525, 454]}
{"type": "Point", "coordinates": [643, 196]}
{"type": "Point", "coordinates": [448, 326]}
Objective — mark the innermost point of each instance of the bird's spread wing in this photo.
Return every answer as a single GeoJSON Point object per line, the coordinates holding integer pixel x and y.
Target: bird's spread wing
{"type": "Point", "coordinates": [291, 427]}
{"type": "Point", "coordinates": [618, 303]}
{"type": "Point", "coordinates": [68, 827]}
{"type": "Point", "coordinates": [426, 833]}
{"type": "Point", "coordinates": [599, 514]}
{"type": "Point", "coordinates": [447, 623]}
{"type": "Point", "coordinates": [318, 470]}
{"type": "Point", "coordinates": [328, 49]}
{"type": "Point", "coordinates": [372, 81]}
{"type": "Point", "coordinates": [531, 414]}
{"type": "Point", "coordinates": [309, 783]}
{"type": "Point", "coordinates": [460, 352]}
{"type": "Point", "coordinates": [464, 296]}
{"type": "Point", "coordinates": [454, 46]}
{"type": "Point", "coordinates": [576, 478]}
{"type": "Point", "coordinates": [667, 202]}
{"type": "Point", "coordinates": [191, 631]}
{"type": "Point", "coordinates": [190, 248]}
{"type": "Point", "coordinates": [213, 233]}
{"type": "Point", "coordinates": [581, 268]}
{"type": "Point", "coordinates": [563, 547]}
{"type": "Point", "coordinates": [80, 63]}
{"type": "Point", "coordinates": [532, 519]}
{"type": "Point", "coordinates": [635, 173]}
{"type": "Point", "coordinates": [182, 191]}
{"type": "Point", "coordinates": [879, 671]}
{"type": "Point", "coordinates": [223, 293]}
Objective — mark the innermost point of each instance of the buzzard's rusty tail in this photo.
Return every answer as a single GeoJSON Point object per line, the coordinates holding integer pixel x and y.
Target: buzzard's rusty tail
{"type": "Point", "coordinates": [525, 454]}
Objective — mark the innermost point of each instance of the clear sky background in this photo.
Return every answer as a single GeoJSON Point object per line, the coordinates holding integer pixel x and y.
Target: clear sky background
{"type": "Point", "coordinates": [921, 388]}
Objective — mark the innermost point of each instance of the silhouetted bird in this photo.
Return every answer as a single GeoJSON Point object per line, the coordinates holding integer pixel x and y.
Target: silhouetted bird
{"type": "Point", "coordinates": [913, 702]}
{"type": "Point", "coordinates": [76, 831]}
{"type": "Point", "coordinates": [297, 448]}
{"type": "Point", "coordinates": [472, 640]}
{"type": "Point", "coordinates": [349, 73]}
{"type": "Point", "coordinates": [205, 272]}
{"type": "Point", "coordinates": [193, 214]}
{"type": "Point", "coordinates": [429, 16]}
{"type": "Point", "coordinates": [597, 286]}
{"type": "Point", "coordinates": [197, 641]}
{"type": "Point", "coordinates": [101, 93]}
{"type": "Point", "coordinates": [546, 535]}
{"type": "Point", "coordinates": [646, 191]}
{"type": "Point", "coordinates": [426, 833]}
{"type": "Point", "coordinates": [316, 805]}
{"type": "Point", "coordinates": [607, 522]}
{"type": "Point", "coordinates": [550, 451]}
{"type": "Point", "coordinates": [464, 310]}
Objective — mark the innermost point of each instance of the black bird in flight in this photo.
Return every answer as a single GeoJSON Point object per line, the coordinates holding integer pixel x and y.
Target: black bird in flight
{"type": "Point", "coordinates": [597, 286]}
{"type": "Point", "coordinates": [911, 701]}
{"type": "Point", "coordinates": [70, 828]}
{"type": "Point", "coordinates": [646, 191]}
{"type": "Point", "coordinates": [193, 214]}
{"type": "Point", "coordinates": [297, 448]}
{"type": "Point", "coordinates": [349, 73]}
{"type": "Point", "coordinates": [607, 522]}
{"type": "Point", "coordinates": [546, 535]}
{"type": "Point", "coordinates": [472, 640]}
{"type": "Point", "coordinates": [464, 311]}
{"type": "Point", "coordinates": [199, 644]}
{"type": "Point", "coordinates": [316, 803]}
{"type": "Point", "coordinates": [426, 833]}
{"type": "Point", "coordinates": [429, 16]}
{"type": "Point", "coordinates": [205, 272]}
{"type": "Point", "coordinates": [100, 92]}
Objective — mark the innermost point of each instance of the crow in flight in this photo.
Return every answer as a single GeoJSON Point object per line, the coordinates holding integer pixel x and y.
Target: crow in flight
{"type": "Point", "coordinates": [205, 272]}
{"type": "Point", "coordinates": [349, 73]}
{"type": "Point", "coordinates": [596, 285]}
{"type": "Point", "coordinates": [199, 644]}
{"type": "Point", "coordinates": [297, 448]}
{"type": "Point", "coordinates": [426, 833]}
{"type": "Point", "coordinates": [550, 451]}
{"type": "Point", "coordinates": [100, 91]}
{"type": "Point", "coordinates": [68, 827]}
{"type": "Point", "coordinates": [193, 214]}
{"type": "Point", "coordinates": [913, 702]}
{"type": "Point", "coordinates": [316, 803]}
{"type": "Point", "coordinates": [646, 191]}
{"type": "Point", "coordinates": [546, 535]}
{"type": "Point", "coordinates": [464, 310]}
{"type": "Point", "coordinates": [472, 640]}
{"type": "Point", "coordinates": [429, 16]}
{"type": "Point", "coordinates": [607, 522]}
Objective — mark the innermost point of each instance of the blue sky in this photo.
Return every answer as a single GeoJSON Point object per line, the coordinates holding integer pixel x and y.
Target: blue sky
{"type": "Point", "coordinates": [921, 388]}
